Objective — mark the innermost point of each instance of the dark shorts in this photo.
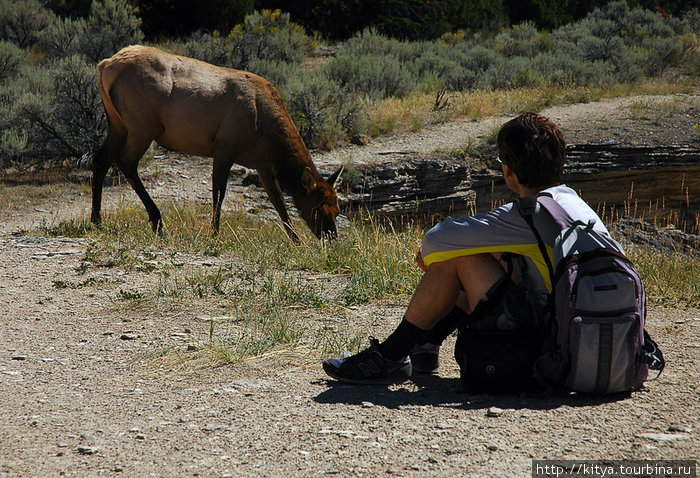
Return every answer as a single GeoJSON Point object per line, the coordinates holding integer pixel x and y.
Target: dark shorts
{"type": "Point", "coordinates": [508, 306]}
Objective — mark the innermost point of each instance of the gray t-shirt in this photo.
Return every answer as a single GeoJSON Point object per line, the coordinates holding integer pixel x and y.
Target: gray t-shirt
{"type": "Point", "coordinates": [504, 230]}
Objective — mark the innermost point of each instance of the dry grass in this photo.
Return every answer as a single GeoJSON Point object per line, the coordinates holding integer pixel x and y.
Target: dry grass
{"type": "Point", "coordinates": [416, 110]}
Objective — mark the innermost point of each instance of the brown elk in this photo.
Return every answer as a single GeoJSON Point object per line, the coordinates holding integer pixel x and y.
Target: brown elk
{"type": "Point", "coordinates": [193, 107]}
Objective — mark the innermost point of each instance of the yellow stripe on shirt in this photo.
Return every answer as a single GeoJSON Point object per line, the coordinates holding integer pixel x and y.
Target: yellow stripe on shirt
{"type": "Point", "coordinates": [530, 250]}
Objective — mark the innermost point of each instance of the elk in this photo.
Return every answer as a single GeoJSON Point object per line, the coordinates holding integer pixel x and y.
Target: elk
{"type": "Point", "coordinates": [192, 107]}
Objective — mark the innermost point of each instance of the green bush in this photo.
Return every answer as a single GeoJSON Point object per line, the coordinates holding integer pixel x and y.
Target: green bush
{"type": "Point", "coordinates": [278, 73]}
{"type": "Point", "coordinates": [475, 61]}
{"type": "Point", "coordinates": [111, 26]}
{"type": "Point", "coordinates": [11, 58]}
{"type": "Point", "coordinates": [21, 21]}
{"type": "Point", "coordinates": [270, 35]}
{"type": "Point", "coordinates": [521, 40]}
{"type": "Point", "coordinates": [78, 113]}
{"type": "Point", "coordinates": [62, 38]}
{"type": "Point", "coordinates": [55, 111]}
{"type": "Point", "coordinates": [372, 76]}
{"type": "Point", "coordinates": [264, 37]}
{"type": "Point", "coordinates": [213, 49]}
{"type": "Point", "coordinates": [371, 42]}
{"type": "Point", "coordinates": [323, 112]}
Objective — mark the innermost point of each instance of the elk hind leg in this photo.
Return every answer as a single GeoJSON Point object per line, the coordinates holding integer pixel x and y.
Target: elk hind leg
{"type": "Point", "coordinates": [103, 160]}
{"type": "Point", "coordinates": [128, 165]}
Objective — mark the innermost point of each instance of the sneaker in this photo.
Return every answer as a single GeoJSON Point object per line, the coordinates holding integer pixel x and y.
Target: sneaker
{"type": "Point", "coordinates": [425, 358]}
{"type": "Point", "coordinates": [369, 367]}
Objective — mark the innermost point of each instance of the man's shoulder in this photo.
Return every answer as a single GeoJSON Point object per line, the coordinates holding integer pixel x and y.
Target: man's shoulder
{"type": "Point", "coordinates": [560, 190]}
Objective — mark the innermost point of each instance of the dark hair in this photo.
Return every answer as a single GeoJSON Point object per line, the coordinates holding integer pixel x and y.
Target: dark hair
{"type": "Point", "coordinates": [534, 148]}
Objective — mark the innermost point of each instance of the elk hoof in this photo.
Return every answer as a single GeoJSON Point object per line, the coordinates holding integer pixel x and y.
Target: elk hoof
{"type": "Point", "coordinates": [157, 227]}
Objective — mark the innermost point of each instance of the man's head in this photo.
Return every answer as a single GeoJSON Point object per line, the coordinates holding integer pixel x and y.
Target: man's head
{"type": "Point", "coordinates": [534, 148]}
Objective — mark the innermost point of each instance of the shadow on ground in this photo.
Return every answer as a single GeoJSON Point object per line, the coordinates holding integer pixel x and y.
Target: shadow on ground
{"type": "Point", "coordinates": [447, 392]}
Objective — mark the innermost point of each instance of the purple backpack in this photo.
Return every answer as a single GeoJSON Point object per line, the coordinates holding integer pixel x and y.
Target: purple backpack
{"type": "Point", "coordinates": [595, 340]}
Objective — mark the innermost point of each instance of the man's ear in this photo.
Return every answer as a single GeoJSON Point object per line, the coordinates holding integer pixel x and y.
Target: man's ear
{"type": "Point", "coordinates": [507, 172]}
{"type": "Point", "coordinates": [511, 179]}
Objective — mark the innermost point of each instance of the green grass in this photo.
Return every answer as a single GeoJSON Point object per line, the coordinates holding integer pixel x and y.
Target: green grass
{"type": "Point", "coordinates": [669, 279]}
{"type": "Point", "coordinates": [263, 279]}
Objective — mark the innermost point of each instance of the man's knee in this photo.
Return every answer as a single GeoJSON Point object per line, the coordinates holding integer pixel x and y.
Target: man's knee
{"type": "Point", "coordinates": [476, 274]}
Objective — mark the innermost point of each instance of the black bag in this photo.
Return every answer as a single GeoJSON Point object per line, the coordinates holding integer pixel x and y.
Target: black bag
{"type": "Point", "coordinates": [496, 361]}
{"type": "Point", "coordinates": [499, 342]}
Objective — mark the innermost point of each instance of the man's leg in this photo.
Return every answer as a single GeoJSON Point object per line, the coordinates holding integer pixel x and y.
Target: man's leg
{"type": "Point", "coordinates": [465, 279]}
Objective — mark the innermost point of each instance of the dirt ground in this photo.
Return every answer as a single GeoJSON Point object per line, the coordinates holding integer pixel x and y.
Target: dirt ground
{"type": "Point", "coordinates": [85, 390]}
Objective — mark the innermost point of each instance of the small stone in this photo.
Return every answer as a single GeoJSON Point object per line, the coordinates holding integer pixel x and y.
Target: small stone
{"type": "Point", "coordinates": [118, 469]}
{"type": "Point", "coordinates": [679, 429]}
{"type": "Point", "coordinates": [87, 450]}
{"type": "Point", "coordinates": [492, 447]}
{"type": "Point", "coordinates": [444, 426]}
{"type": "Point", "coordinates": [140, 437]}
{"type": "Point", "coordinates": [19, 357]}
{"type": "Point", "coordinates": [87, 436]}
{"type": "Point", "coordinates": [129, 337]}
{"type": "Point", "coordinates": [367, 404]}
{"type": "Point", "coordinates": [664, 437]}
{"type": "Point", "coordinates": [494, 412]}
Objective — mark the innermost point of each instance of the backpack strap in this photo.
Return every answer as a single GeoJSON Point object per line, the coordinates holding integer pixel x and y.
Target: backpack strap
{"type": "Point", "coordinates": [526, 206]}
{"type": "Point", "coordinates": [653, 355]}
{"type": "Point", "coordinates": [558, 213]}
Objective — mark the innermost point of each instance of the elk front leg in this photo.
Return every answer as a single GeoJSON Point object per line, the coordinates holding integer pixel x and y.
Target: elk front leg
{"type": "Point", "coordinates": [274, 192]}
{"type": "Point", "coordinates": [219, 180]}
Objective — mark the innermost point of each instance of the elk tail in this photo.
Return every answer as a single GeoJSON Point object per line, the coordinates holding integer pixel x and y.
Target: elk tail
{"type": "Point", "coordinates": [106, 80]}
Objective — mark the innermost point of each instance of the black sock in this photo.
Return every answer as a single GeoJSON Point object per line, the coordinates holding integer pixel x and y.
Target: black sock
{"type": "Point", "coordinates": [401, 341]}
{"type": "Point", "coordinates": [444, 327]}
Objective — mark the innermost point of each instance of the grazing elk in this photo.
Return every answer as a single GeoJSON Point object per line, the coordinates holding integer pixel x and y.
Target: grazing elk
{"type": "Point", "coordinates": [193, 107]}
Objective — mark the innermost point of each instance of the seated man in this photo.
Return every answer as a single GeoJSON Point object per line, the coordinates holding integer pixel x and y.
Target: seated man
{"type": "Point", "coordinates": [465, 260]}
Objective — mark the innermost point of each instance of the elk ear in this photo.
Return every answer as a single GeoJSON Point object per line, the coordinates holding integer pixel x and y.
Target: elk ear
{"type": "Point", "coordinates": [333, 178]}
{"type": "Point", "coordinates": [308, 180]}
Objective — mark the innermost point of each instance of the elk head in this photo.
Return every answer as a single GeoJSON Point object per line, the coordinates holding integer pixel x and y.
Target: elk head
{"type": "Point", "coordinates": [319, 206]}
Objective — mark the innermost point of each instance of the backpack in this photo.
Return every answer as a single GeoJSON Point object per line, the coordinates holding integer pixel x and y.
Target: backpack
{"type": "Point", "coordinates": [498, 343]}
{"type": "Point", "coordinates": [594, 337]}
